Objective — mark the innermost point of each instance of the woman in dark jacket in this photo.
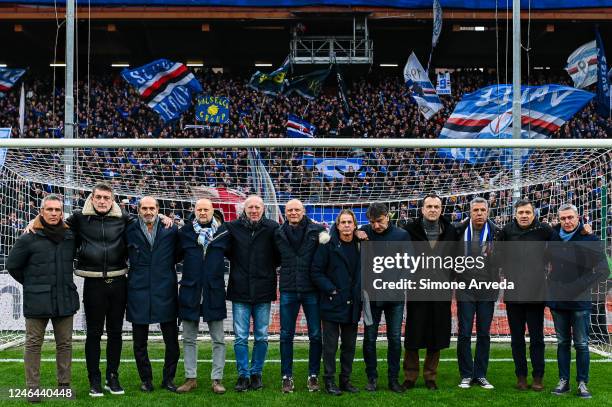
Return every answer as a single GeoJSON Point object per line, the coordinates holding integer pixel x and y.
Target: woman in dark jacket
{"type": "Point", "coordinates": [336, 272]}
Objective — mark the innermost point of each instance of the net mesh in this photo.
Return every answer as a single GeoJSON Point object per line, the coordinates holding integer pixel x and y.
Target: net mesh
{"type": "Point", "coordinates": [325, 179]}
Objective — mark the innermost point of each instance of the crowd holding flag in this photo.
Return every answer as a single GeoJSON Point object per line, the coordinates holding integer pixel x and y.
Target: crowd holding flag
{"type": "Point", "coordinates": [582, 65]}
{"type": "Point", "coordinates": [422, 90]}
{"type": "Point", "coordinates": [342, 94]}
{"type": "Point", "coordinates": [487, 113]}
{"type": "Point", "coordinates": [604, 96]}
{"type": "Point", "coordinates": [437, 29]}
{"type": "Point", "coordinates": [299, 128]}
{"type": "Point", "coordinates": [273, 83]}
{"type": "Point", "coordinates": [9, 78]}
{"type": "Point", "coordinates": [309, 85]}
{"type": "Point", "coordinates": [212, 109]}
{"type": "Point", "coordinates": [443, 87]}
{"type": "Point", "coordinates": [165, 86]}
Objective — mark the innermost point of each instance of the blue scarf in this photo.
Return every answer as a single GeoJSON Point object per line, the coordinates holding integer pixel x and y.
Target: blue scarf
{"type": "Point", "coordinates": [484, 239]}
{"type": "Point", "coordinates": [205, 234]}
{"type": "Point", "coordinates": [565, 236]}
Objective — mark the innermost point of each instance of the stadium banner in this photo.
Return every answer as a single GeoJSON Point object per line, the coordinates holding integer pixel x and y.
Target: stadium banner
{"type": "Point", "coordinates": [582, 65]}
{"type": "Point", "coordinates": [165, 86]}
{"type": "Point", "coordinates": [8, 79]}
{"type": "Point", "coordinates": [212, 109]}
{"type": "Point", "coordinates": [603, 81]}
{"type": "Point", "coordinates": [487, 113]}
{"type": "Point", "coordinates": [410, 4]}
{"type": "Point", "coordinates": [299, 128]}
{"type": "Point", "coordinates": [309, 85]}
{"type": "Point", "coordinates": [273, 83]}
{"type": "Point", "coordinates": [443, 87]}
{"type": "Point", "coordinates": [422, 90]}
{"type": "Point", "coordinates": [338, 168]}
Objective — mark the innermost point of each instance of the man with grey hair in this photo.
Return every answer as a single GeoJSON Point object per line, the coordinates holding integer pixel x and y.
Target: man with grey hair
{"type": "Point", "coordinates": [248, 243]}
{"type": "Point", "coordinates": [42, 262]}
{"type": "Point", "coordinates": [477, 234]}
{"type": "Point", "coordinates": [152, 290]}
{"type": "Point", "coordinates": [577, 265]}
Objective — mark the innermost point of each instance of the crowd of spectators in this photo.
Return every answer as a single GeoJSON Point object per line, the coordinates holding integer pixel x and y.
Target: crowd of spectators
{"type": "Point", "coordinates": [380, 108]}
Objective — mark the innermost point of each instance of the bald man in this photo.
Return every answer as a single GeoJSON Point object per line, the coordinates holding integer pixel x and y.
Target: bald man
{"type": "Point", "coordinates": [248, 243]}
{"type": "Point", "coordinates": [297, 240]}
{"type": "Point", "coordinates": [202, 294]}
{"type": "Point", "coordinates": [151, 295]}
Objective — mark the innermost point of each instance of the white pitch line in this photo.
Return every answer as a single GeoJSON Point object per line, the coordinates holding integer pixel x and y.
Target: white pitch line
{"type": "Point", "coordinates": [79, 360]}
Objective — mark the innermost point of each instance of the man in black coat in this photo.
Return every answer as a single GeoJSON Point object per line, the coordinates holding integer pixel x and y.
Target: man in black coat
{"type": "Point", "coordinates": [152, 290]}
{"type": "Point", "coordinates": [476, 235]}
{"type": "Point", "coordinates": [336, 271]}
{"type": "Point", "coordinates": [297, 240]}
{"type": "Point", "coordinates": [428, 323]}
{"type": "Point", "coordinates": [43, 263]}
{"type": "Point", "coordinates": [381, 230]}
{"type": "Point", "coordinates": [248, 243]}
{"type": "Point", "coordinates": [529, 264]}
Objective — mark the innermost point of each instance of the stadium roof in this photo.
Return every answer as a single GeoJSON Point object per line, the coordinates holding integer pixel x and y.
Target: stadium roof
{"type": "Point", "coordinates": [404, 4]}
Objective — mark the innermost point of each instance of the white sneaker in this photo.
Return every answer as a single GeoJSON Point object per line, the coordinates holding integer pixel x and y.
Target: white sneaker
{"type": "Point", "coordinates": [466, 383]}
{"type": "Point", "coordinates": [483, 382]}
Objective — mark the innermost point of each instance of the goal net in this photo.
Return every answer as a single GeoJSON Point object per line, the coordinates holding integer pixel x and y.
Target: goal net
{"type": "Point", "coordinates": [326, 180]}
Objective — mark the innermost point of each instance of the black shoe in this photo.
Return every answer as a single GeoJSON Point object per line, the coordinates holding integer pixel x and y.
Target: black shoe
{"type": "Point", "coordinates": [431, 385]}
{"type": "Point", "coordinates": [256, 382]}
{"type": "Point", "coordinates": [371, 386]}
{"type": "Point", "coordinates": [146, 387]}
{"type": "Point", "coordinates": [112, 384]}
{"type": "Point", "coordinates": [395, 387]}
{"type": "Point", "coordinates": [169, 385]}
{"type": "Point", "coordinates": [408, 384]}
{"type": "Point", "coordinates": [348, 387]}
{"type": "Point", "coordinates": [242, 384]}
{"type": "Point", "coordinates": [95, 390]}
{"type": "Point", "coordinates": [331, 388]}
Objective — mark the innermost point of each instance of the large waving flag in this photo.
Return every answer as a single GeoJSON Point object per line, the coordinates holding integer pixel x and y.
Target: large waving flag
{"type": "Point", "coordinates": [487, 113]}
{"type": "Point", "coordinates": [308, 85]}
{"type": "Point", "coordinates": [299, 128]}
{"type": "Point", "coordinates": [603, 80]}
{"type": "Point", "coordinates": [8, 79]}
{"type": "Point", "coordinates": [423, 91]}
{"type": "Point", "coordinates": [272, 83]}
{"type": "Point", "coordinates": [165, 86]}
{"type": "Point", "coordinates": [582, 65]}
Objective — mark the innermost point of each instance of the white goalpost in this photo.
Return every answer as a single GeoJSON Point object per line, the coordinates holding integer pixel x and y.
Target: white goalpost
{"type": "Point", "coordinates": [326, 174]}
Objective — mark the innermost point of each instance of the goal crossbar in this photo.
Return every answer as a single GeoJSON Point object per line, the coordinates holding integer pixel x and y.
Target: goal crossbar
{"type": "Point", "coordinates": [303, 142]}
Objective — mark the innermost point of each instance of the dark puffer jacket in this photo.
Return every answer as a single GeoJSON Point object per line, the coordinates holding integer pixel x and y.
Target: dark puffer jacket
{"type": "Point", "coordinates": [295, 264]}
{"type": "Point", "coordinates": [45, 270]}
{"type": "Point", "coordinates": [253, 259]}
{"type": "Point", "coordinates": [100, 241]}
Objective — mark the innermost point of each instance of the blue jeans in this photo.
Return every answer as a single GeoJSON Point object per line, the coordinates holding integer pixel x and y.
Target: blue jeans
{"type": "Point", "coordinates": [394, 313]}
{"type": "Point", "coordinates": [289, 307]}
{"type": "Point", "coordinates": [483, 311]}
{"type": "Point", "coordinates": [570, 323]}
{"type": "Point", "coordinates": [242, 313]}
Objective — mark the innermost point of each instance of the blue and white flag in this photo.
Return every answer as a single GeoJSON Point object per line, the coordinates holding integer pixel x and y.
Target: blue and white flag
{"type": "Point", "coordinates": [487, 113]}
{"type": "Point", "coordinates": [443, 87]}
{"type": "Point", "coordinates": [603, 80]}
{"type": "Point", "coordinates": [423, 91]}
{"type": "Point", "coordinates": [165, 86]}
{"type": "Point", "coordinates": [299, 128]}
{"type": "Point", "coordinates": [8, 79]}
{"type": "Point", "coordinates": [263, 185]}
{"type": "Point", "coordinates": [582, 65]}
{"type": "Point", "coordinates": [337, 167]}
{"type": "Point", "coordinates": [5, 132]}
{"type": "Point", "coordinates": [437, 23]}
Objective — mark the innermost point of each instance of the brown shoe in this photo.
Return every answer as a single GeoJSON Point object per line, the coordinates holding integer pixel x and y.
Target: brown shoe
{"type": "Point", "coordinates": [217, 387]}
{"type": "Point", "coordinates": [189, 385]}
{"type": "Point", "coordinates": [521, 383]}
{"type": "Point", "coordinates": [408, 384]}
{"type": "Point", "coordinates": [537, 384]}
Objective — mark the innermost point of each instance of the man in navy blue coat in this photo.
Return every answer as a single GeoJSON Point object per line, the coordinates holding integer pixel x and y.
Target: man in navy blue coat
{"type": "Point", "coordinates": [202, 294]}
{"type": "Point", "coordinates": [152, 290]}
